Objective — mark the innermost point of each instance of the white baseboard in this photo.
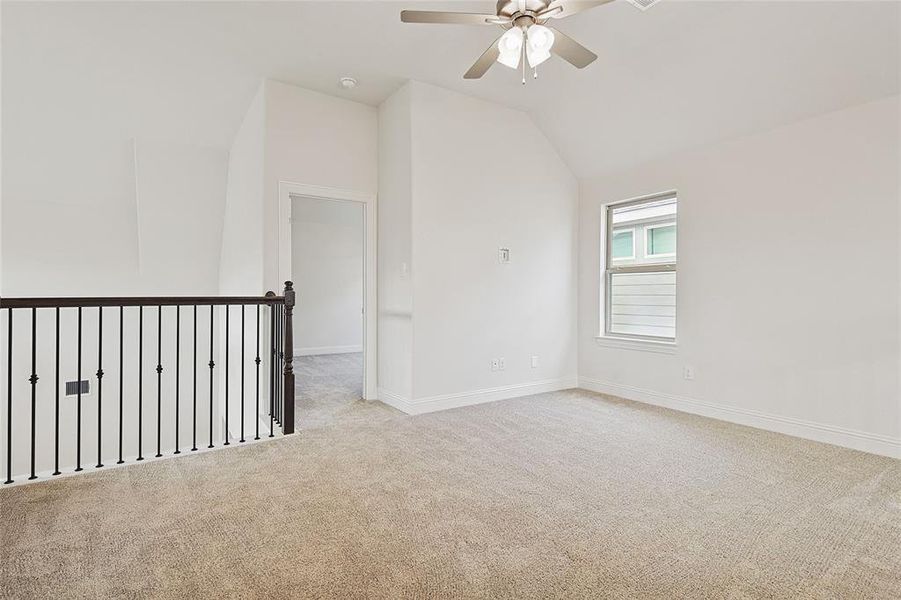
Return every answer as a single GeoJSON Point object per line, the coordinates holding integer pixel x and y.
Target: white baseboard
{"type": "Point", "coordinates": [314, 350]}
{"type": "Point", "coordinates": [820, 432]}
{"type": "Point", "coordinates": [429, 404]}
{"type": "Point", "coordinates": [397, 401]}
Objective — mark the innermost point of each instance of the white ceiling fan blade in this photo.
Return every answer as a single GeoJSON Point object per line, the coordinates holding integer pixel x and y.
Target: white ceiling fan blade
{"type": "Point", "coordinates": [572, 51]}
{"type": "Point", "coordinates": [481, 66]}
{"type": "Point", "coordinates": [565, 8]}
{"type": "Point", "coordinates": [444, 18]}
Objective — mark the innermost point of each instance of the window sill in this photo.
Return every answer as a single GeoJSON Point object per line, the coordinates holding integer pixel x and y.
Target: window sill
{"type": "Point", "coordinates": [610, 341]}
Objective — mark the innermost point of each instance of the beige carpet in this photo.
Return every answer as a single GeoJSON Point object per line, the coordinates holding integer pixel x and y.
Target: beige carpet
{"type": "Point", "coordinates": [329, 392]}
{"type": "Point", "coordinates": [567, 494]}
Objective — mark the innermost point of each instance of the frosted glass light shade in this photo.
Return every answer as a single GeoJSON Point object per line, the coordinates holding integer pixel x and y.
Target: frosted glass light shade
{"type": "Point", "coordinates": [540, 42]}
{"type": "Point", "coordinates": [510, 48]}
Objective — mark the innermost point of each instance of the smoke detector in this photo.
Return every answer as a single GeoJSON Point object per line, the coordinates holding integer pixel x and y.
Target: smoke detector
{"type": "Point", "coordinates": [348, 83]}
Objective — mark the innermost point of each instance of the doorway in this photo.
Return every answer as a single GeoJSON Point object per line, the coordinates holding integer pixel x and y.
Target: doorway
{"type": "Point", "coordinates": [327, 248]}
{"type": "Point", "coordinates": [327, 268]}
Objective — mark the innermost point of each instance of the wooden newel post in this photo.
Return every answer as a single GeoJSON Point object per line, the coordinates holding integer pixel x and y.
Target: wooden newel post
{"type": "Point", "coordinates": [288, 416]}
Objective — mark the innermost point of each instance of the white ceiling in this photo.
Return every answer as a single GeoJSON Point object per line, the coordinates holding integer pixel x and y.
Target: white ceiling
{"type": "Point", "coordinates": [679, 75]}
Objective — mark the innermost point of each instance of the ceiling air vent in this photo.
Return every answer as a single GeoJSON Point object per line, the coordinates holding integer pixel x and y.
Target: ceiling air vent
{"type": "Point", "coordinates": [643, 4]}
{"type": "Point", "coordinates": [72, 387]}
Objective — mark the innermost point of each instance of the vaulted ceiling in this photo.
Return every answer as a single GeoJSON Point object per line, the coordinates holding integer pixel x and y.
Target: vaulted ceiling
{"type": "Point", "coordinates": [680, 75]}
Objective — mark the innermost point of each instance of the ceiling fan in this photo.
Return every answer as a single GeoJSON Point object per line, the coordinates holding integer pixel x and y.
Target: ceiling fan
{"type": "Point", "coordinates": [528, 40]}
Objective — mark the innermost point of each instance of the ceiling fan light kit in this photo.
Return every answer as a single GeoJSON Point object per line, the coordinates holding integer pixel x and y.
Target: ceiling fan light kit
{"type": "Point", "coordinates": [510, 48]}
{"type": "Point", "coordinates": [539, 45]}
{"type": "Point", "coordinates": [527, 38]}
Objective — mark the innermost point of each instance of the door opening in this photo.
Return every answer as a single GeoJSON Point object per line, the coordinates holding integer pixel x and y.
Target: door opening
{"type": "Point", "coordinates": [328, 271]}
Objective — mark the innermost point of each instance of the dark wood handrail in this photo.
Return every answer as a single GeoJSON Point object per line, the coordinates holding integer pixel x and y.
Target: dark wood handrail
{"type": "Point", "coordinates": [63, 302]}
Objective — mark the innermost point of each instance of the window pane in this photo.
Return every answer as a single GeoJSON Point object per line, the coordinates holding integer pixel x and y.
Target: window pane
{"type": "Point", "coordinates": [662, 240]}
{"type": "Point", "coordinates": [643, 304]}
{"type": "Point", "coordinates": [622, 244]}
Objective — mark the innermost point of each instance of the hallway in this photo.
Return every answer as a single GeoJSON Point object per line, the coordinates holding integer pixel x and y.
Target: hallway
{"type": "Point", "coordinates": [329, 389]}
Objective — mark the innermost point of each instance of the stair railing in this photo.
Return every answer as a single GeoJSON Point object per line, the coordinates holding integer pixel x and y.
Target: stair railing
{"type": "Point", "coordinates": [45, 430]}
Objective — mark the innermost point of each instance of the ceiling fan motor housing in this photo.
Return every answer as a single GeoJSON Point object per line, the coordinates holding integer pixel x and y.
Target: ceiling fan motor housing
{"type": "Point", "coordinates": [510, 8]}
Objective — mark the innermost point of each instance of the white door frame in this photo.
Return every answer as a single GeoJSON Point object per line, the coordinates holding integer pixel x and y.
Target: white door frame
{"type": "Point", "coordinates": [286, 190]}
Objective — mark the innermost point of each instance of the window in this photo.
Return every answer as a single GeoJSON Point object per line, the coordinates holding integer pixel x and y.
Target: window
{"type": "Point", "coordinates": [623, 244]}
{"type": "Point", "coordinates": [640, 269]}
{"type": "Point", "coordinates": [661, 240]}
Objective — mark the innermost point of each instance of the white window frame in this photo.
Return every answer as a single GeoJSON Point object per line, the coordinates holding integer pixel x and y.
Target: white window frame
{"type": "Point", "coordinates": [634, 246]}
{"type": "Point", "coordinates": [609, 268]}
{"type": "Point", "coordinates": [647, 239]}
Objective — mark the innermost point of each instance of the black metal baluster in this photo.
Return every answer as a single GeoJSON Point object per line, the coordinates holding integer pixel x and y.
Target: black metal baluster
{"type": "Point", "coordinates": [33, 380]}
{"type": "Point", "coordinates": [56, 404]}
{"type": "Point", "coordinates": [159, 380]}
{"type": "Point", "coordinates": [9, 399]}
{"type": "Point", "coordinates": [242, 373]}
{"type": "Point", "coordinates": [272, 371]}
{"type": "Point", "coordinates": [121, 376]}
{"type": "Point", "coordinates": [99, 385]}
{"type": "Point", "coordinates": [257, 387]}
{"type": "Point", "coordinates": [281, 364]}
{"type": "Point", "coordinates": [278, 370]}
{"type": "Point", "coordinates": [278, 362]}
{"type": "Point", "coordinates": [140, 381]}
{"type": "Point", "coordinates": [78, 419]}
{"type": "Point", "coordinates": [227, 307]}
{"type": "Point", "coordinates": [194, 369]}
{"type": "Point", "coordinates": [177, 373]}
{"type": "Point", "coordinates": [212, 365]}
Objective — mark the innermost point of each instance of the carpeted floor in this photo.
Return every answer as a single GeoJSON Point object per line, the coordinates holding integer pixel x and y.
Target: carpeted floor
{"type": "Point", "coordinates": [567, 494]}
{"type": "Point", "coordinates": [329, 392]}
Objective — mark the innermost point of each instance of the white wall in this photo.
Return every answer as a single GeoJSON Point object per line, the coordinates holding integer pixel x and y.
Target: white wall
{"type": "Point", "coordinates": [467, 307]}
{"type": "Point", "coordinates": [89, 210]}
{"type": "Point", "coordinates": [788, 287]}
{"type": "Point", "coordinates": [110, 186]}
{"type": "Point", "coordinates": [313, 139]}
{"type": "Point", "coordinates": [173, 215]}
{"type": "Point", "coordinates": [180, 203]}
{"type": "Point", "coordinates": [77, 218]}
{"type": "Point", "coordinates": [241, 260]}
{"type": "Point", "coordinates": [395, 290]}
{"type": "Point", "coordinates": [327, 263]}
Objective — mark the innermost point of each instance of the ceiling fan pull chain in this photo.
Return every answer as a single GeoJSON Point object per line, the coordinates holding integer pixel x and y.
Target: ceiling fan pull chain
{"type": "Point", "coordinates": [525, 41]}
